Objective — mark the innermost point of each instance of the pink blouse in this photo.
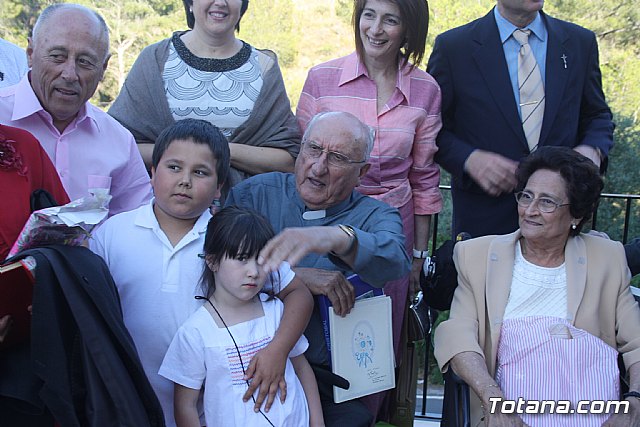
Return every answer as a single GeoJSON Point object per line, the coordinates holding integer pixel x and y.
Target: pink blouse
{"type": "Point", "coordinates": [542, 358]}
{"type": "Point", "coordinates": [402, 163]}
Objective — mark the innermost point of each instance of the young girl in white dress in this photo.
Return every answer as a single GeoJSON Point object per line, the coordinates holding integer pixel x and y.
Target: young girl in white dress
{"type": "Point", "coordinates": [213, 348]}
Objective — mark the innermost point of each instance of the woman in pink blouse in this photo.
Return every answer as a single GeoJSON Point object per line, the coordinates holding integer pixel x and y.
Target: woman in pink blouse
{"type": "Point", "coordinates": [379, 85]}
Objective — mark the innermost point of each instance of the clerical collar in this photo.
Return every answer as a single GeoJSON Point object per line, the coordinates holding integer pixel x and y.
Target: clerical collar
{"type": "Point", "coordinates": [311, 215]}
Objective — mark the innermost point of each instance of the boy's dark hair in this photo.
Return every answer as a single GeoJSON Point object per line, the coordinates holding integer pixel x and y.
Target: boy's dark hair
{"type": "Point", "coordinates": [200, 132]}
{"type": "Point", "coordinates": [233, 232]}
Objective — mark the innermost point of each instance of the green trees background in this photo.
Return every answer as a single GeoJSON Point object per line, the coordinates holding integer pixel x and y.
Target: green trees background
{"type": "Point", "coordinates": [306, 32]}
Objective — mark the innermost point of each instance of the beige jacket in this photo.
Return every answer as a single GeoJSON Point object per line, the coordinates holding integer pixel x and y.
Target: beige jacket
{"type": "Point", "coordinates": [598, 297]}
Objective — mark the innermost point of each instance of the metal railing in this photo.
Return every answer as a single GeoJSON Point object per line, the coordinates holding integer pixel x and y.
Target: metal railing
{"type": "Point", "coordinates": [628, 198]}
{"type": "Point", "coordinates": [624, 204]}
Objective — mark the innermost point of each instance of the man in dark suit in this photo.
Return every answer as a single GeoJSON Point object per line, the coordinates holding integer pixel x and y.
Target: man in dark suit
{"type": "Point", "coordinates": [632, 250]}
{"type": "Point", "coordinates": [482, 139]}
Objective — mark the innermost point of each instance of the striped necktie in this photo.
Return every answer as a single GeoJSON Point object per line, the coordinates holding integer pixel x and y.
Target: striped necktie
{"type": "Point", "coordinates": [531, 90]}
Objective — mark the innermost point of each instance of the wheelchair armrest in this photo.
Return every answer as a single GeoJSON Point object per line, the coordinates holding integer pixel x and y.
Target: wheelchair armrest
{"type": "Point", "coordinates": [456, 409]}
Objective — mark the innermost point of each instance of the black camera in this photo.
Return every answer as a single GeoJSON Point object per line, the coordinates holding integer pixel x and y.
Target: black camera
{"type": "Point", "coordinates": [439, 278]}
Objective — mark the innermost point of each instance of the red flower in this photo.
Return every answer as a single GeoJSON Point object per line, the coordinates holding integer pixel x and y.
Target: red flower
{"type": "Point", "coordinates": [9, 157]}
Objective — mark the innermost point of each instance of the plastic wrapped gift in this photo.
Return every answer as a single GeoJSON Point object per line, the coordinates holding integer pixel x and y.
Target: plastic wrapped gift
{"type": "Point", "coordinates": [70, 224]}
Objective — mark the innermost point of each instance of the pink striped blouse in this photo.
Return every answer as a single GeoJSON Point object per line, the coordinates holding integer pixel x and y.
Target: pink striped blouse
{"type": "Point", "coordinates": [402, 163]}
{"type": "Point", "coordinates": [537, 363]}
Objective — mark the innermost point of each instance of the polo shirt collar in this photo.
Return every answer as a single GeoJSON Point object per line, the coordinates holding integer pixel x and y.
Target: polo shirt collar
{"type": "Point", "coordinates": [147, 219]}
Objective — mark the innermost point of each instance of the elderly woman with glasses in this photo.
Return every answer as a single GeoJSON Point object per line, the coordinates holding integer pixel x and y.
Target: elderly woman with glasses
{"type": "Point", "coordinates": [542, 313]}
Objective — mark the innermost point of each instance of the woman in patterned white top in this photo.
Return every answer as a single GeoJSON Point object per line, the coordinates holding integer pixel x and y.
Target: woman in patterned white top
{"type": "Point", "coordinates": [542, 313]}
{"type": "Point", "coordinates": [210, 74]}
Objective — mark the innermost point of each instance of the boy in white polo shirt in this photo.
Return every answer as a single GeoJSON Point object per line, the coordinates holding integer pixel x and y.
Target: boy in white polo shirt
{"type": "Point", "coordinates": [152, 253]}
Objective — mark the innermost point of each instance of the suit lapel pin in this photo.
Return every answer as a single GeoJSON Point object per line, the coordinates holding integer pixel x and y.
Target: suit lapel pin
{"type": "Point", "coordinates": [564, 59]}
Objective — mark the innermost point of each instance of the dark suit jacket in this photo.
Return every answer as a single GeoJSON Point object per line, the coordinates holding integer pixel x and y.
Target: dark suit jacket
{"type": "Point", "coordinates": [479, 109]}
{"type": "Point", "coordinates": [632, 250]}
{"type": "Point", "coordinates": [84, 367]}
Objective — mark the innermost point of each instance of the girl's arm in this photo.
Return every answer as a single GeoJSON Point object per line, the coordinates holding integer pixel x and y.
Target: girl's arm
{"type": "Point", "coordinates": [267, 367]}
{"type": "Point", "coordinates": [184, 406]}
{"type": "Point", "coordinates": [308, 381]}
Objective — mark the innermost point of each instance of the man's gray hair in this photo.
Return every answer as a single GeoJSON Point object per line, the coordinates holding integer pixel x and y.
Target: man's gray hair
{"type": "Point", "coordinates": [368, 134]}
{"type": "Point", "coordinates": [51, 10]}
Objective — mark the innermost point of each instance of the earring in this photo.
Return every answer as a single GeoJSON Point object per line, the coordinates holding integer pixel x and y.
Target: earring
{"type": "Point", "coordinates": [573, 226]}
{"type": "Point", "coordinates": [190, 9]}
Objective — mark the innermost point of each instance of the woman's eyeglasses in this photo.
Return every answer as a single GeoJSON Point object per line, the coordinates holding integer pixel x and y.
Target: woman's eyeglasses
{"type": "Point", "coordinates": [545, 204]}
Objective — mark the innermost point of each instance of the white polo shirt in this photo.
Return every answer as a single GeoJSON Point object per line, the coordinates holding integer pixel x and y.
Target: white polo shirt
{"type": "Point", "coordinates": [157, 283]}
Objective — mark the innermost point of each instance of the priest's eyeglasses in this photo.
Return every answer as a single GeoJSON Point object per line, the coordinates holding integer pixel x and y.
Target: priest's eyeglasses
{"type": "Point", "coordinates": [545, 204]}
{"type": "Point", "coordinates": [313, 150]}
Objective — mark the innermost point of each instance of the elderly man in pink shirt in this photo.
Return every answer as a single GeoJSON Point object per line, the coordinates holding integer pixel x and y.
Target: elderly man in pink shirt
{"type": "Point", "coordinates": [68, 54]}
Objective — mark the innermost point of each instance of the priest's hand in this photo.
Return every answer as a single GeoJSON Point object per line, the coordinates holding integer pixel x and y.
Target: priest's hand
{"type": "Point", "coordinates": [331, 284]}
{"type": "Point", "coordinates": [293, 244]}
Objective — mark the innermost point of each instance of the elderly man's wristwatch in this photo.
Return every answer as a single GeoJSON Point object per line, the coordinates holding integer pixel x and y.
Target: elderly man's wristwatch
{"type": "Point", "coordinates": [348, 230]}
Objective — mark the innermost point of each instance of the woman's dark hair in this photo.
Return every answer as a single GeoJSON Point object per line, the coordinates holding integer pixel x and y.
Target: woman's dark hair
{"type": "Point", "coordinates": [200, 132]}
{"type": "Point", "coordinates": [415, 18]}
{"type": "Point", "coordinates": [580, 174]}
{"type": "Point", "coordinates": [191, 20]}
{"type": "Point", "coordinates": [231, 233]}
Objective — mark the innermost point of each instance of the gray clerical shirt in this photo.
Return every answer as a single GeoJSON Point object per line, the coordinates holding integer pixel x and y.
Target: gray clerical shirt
{"type": "Point", "coordinates": [381, 254]}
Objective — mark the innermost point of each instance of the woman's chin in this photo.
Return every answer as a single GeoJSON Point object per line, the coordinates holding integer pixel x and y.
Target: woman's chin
{"type": "Point", "coordinates": [529, 231]}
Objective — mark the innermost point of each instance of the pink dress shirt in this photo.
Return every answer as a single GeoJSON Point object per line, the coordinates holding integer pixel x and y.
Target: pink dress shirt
{"type": "Point", "coordinates": [94, 151]}
{"type": "Point", "coordinates": [402, 165]}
